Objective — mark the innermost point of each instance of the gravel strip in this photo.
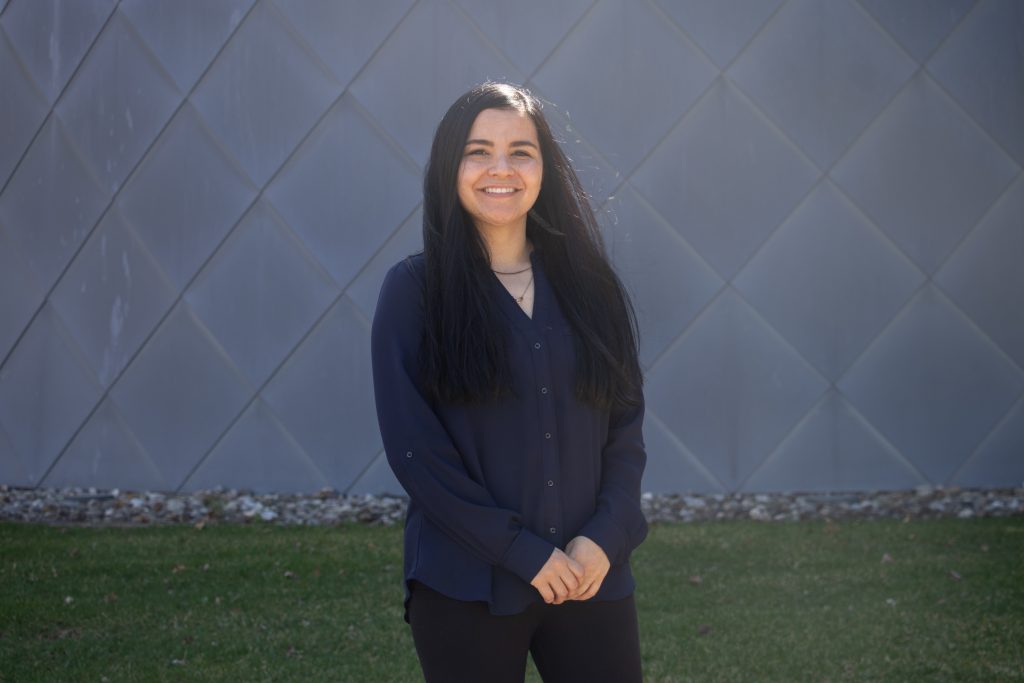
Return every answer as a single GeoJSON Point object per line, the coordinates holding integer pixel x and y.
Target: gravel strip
{"type": "Point", "coordinates": [93, 507]}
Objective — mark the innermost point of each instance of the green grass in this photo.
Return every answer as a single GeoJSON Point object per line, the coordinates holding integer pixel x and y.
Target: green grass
{"type": "Point", "coordinates": [808, 601]}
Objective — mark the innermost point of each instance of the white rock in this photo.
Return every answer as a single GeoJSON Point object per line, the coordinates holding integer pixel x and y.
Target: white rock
{"type": "Point", "coordinates": [759, 513]}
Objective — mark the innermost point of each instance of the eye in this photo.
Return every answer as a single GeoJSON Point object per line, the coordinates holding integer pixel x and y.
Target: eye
{"type": "Point", "coordinates": [476, 152]}
{"type": "Point", "coordinates": [522, 153]}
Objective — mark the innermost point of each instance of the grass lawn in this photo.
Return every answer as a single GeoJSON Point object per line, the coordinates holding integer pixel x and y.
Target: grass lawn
{"type": "Point", "coordinates": [729, 601]}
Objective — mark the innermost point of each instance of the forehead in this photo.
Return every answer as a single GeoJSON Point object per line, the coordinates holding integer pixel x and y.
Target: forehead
{"type": "Point", "coordinates": [502, 124]}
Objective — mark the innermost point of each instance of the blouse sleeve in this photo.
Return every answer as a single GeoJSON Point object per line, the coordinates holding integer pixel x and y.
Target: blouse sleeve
{"type": "Point", "coordinates": [618, 525]}
{"type": "Point", "coordinates": [419, 449]}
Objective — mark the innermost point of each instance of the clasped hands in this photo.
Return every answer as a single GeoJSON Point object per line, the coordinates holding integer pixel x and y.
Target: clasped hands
{"type": "Point", "coordinates": [575, 574]}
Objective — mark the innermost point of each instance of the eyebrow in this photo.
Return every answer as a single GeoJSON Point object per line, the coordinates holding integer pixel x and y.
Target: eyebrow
{"type": "Point", "coordinates": [488, 143]}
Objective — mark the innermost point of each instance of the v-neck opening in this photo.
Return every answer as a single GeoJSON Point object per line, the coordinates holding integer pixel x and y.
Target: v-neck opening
{"type": "Point", "coordinates": [518, 316]}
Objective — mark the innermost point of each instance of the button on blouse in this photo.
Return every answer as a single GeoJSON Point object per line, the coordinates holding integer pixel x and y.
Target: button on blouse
{"type": "Point", "coordinates": [484, 511]}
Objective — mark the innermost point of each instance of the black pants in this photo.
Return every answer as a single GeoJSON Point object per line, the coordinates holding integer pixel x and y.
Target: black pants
{"type": "Point", "coordinates": [575, 641]}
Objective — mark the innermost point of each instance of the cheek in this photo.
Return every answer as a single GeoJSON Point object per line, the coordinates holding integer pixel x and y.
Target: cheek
{"type": "Point", "coordinates": [538, 180]}
{"type": "Point", "coordinates": [536, 171]}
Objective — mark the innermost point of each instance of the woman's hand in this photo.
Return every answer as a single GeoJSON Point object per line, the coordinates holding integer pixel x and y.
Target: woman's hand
{"type": "Point", "coordinates": [595, 566]}
{"type": "Point", "coordinates": [559, 577]}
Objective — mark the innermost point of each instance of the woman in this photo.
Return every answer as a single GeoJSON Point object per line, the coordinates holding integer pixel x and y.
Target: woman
{"type": "Point", "coordinates": [509, 400]}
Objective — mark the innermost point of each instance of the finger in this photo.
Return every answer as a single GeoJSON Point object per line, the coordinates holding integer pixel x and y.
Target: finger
{"type": "Point", "coordinates": [546, 593]}
{"type": "Point", "coordinates": [593, 589]}
{"type": "Point", "coordinates": [561, 591]}
{"type": "Point", "coordinates": [571, 581]}
{"type": "Point", "coordinates": [576, 568]}
{"type": "Point", "coordinates": [582, 590]}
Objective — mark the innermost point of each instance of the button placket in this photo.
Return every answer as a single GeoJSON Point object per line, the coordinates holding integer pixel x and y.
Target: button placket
{"type": "Point", "coordinates": [551, 507]}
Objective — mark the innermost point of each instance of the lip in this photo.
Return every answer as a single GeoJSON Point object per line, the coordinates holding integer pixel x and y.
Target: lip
{"type": "Point", "coordinates": [503, 190]}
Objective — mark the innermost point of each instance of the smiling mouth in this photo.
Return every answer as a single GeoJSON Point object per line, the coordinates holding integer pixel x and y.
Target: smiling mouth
{"type": "Point", "coordinates": [499, 190]}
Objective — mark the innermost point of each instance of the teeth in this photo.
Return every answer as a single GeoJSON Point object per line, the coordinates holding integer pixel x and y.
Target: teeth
{"type": "Point", "coordinates": [499, 190]}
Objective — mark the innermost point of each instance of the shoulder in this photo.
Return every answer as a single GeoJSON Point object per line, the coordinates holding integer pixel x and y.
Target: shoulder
{"type": "Point", "coordinates": [401, 292]}
{"type": "Point", "coordinates": [405, 277]}
{"type": "Point", "coordinates": [407, 273]}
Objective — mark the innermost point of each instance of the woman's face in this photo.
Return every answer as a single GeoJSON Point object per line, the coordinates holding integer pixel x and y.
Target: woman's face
{"type": "Point", "coordinates": [501, 169]}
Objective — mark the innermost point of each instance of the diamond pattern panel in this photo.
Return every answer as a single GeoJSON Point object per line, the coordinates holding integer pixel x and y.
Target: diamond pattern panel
{"type": "Point", "coordinates": [185, 197]}
{"type": "Point", "coordinates": [50, 204]}
{"type": "Point", "coordinates": [724, 178]}
{"type": "Point", "coordinates": [117, 104]}
{"type": "Point", "coordinates": [599, 178]}
{"type": "Point", "coordinates": [344, 33]}
{"type": "Point", "coordinates": [346, 190]}
{"type": "Point", "coordinates": [723, 27]}
{"type": "Point", "coordinates": [670, 466]}
{"type": "Point", "coordinates": [828, 280]}
{"type": "Point", "coordinates": [264, 92]}
{"type": "Point", "coordinates": [46, 391]}
{"type": "Point", "coordinates": [111, 297]}
{"type": "Point", "coordinates": [324, 396]}
{"type": "Point", "coordinates": [932, 385]}
{"type": "Point", "coordinates": [625, 48]}
{"type": "Point", "coordinates": [408, 239]}
{"type": "Point", "coordinates": [105, 454]}
{"type": "Point", "coordinates": [744, 389]}
{"type": "Point", "coordinates": [186, 287]}
{"type": "Point", "coordinates": [257, 454]}
{"type": "Point", "coordinates": [514, 29]}
{"type": "Point", "coordinates": [833, 449]}
{"type": "Point", "coordinates": [822, 71]}
{"type": "Point", "coordinates": [179, 378]}
{"type": "Point", "coordinates": [981, 66]}
{"type": "Point", "coordinates": [52, 37]}
{"type": "Point", "coordinates": [918, 25]}
{"type": "Point", "coordinates": [415, 76]}
{"type": "Point", "coordinates": [22, 109]}
{"type": "Point", "coordinates": [946, 169]}
{"type": "Point", "coordinates": [14, 471]}
{"type": "Point", "coordinates": [20, 296]}
{"type": "Point", "coordinates": [984, 277]}
{"type": "Point", "coordinates": [185, 34]}
{"type": "Point", "coordinates": [668, 282]}
{"type": "Point", "coordinates": [377, 479]}
{"type": "Point", "coordinates": [998, 461]}
{"type": "Point", "coordinates": [260, 294]}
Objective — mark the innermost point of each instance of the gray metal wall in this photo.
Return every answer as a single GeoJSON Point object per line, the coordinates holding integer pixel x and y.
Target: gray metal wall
{"type": "Point", "coordinates": [817, 205]}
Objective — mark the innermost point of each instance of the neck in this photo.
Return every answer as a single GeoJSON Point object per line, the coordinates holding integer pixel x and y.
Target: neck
{"type": "Point", "coordinates": [507, 247]}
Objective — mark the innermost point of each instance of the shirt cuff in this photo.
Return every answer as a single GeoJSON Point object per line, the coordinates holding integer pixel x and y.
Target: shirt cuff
{"type": "Point", "coordinates": [607, 533]}
{"type": "Point", "coordinates": [527, 554]}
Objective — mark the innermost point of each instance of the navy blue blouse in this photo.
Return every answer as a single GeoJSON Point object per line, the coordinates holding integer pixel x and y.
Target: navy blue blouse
{"type": "Point", "coordinates": [494, 488]}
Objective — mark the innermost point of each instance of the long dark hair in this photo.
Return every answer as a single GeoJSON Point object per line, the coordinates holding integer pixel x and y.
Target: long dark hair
{"type": "Point", "coordinates": [463, 355]}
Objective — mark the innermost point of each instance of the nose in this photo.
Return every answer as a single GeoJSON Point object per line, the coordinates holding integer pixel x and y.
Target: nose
{"type": "Point", "coordinates": [501, 165]}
